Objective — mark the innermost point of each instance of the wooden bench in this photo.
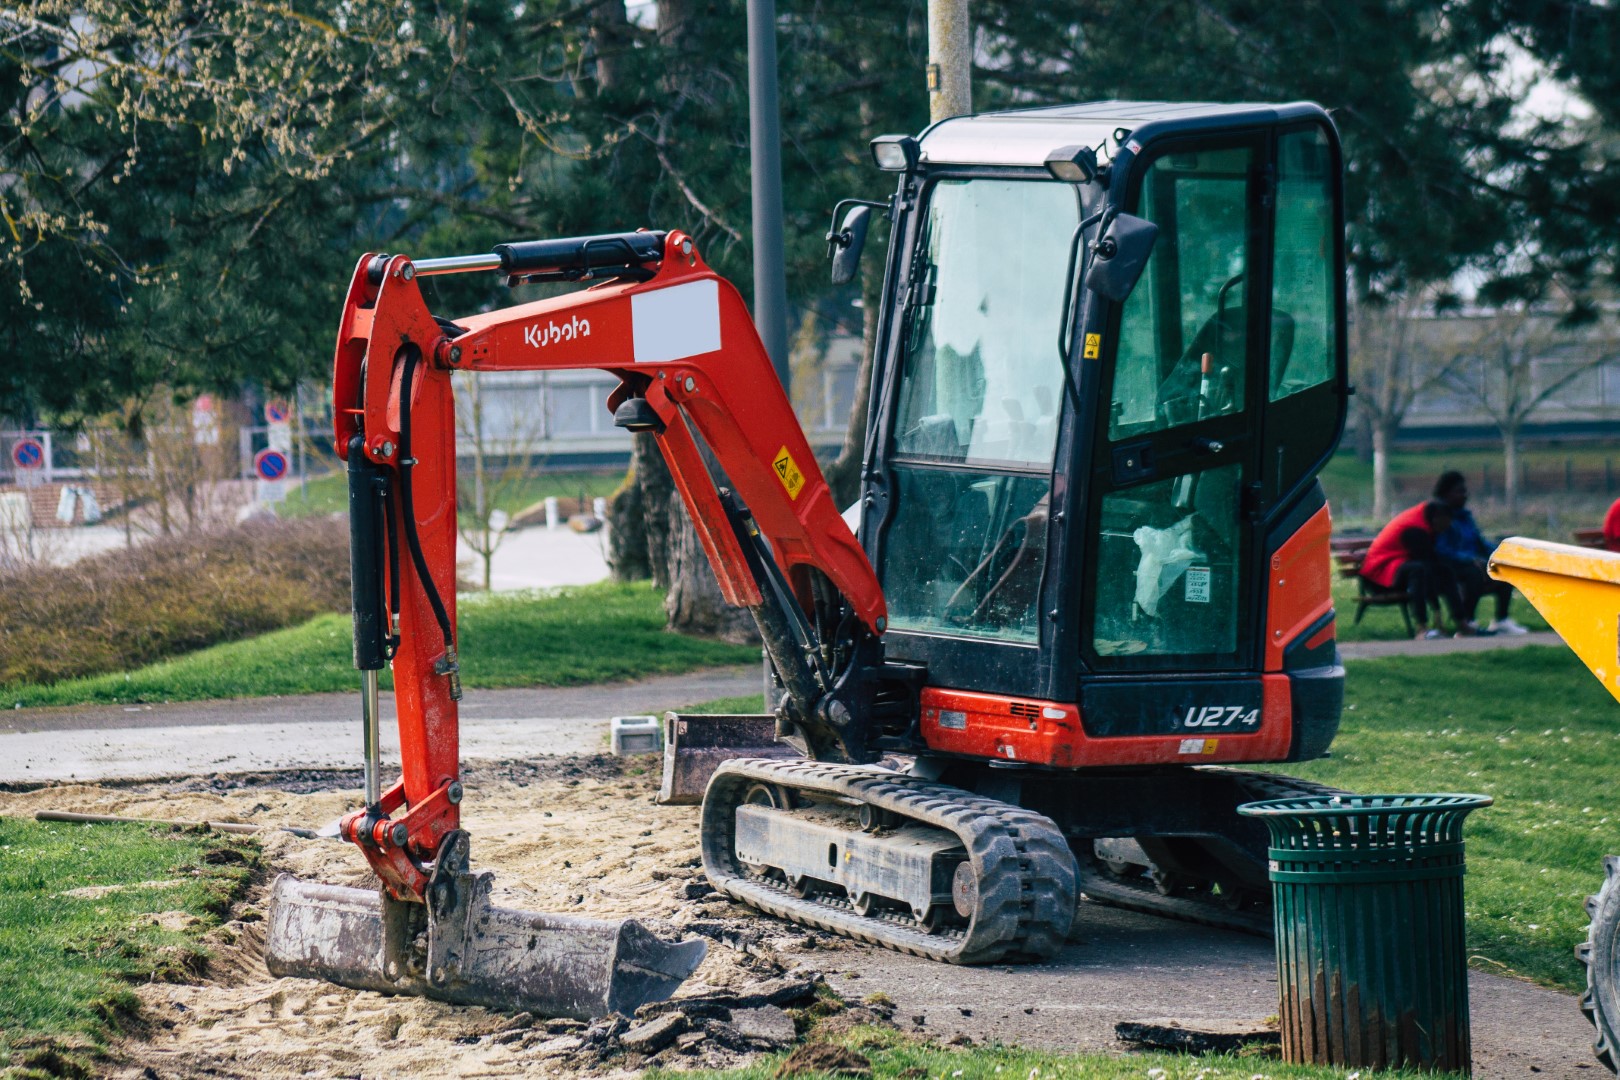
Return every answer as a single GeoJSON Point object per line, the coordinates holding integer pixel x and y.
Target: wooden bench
{"type": "Point", "coordinates": [1348, 553]}
{"type": "Point", "coordinates": [1592, 538]}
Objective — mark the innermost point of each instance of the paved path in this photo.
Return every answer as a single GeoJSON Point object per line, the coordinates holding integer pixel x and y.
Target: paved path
{"type": "Point", "coordinates": [102, 742]}
{"type": "Point", "coordinates": [96, 742]}
{"type": "Point", "coordinates": [539, 558]}
{"type": "Point", "coordinates": [1134, 967]}
{"type": "Point", "coordinates": [1371, 650]}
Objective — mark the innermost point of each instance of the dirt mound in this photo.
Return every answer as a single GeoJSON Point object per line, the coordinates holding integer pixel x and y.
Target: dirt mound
{"type": "Point", "coordinates": [572, 835]}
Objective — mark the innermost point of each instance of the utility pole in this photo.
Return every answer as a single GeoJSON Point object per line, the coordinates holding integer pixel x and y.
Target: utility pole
{"type": "Point", "coordinates": [765, 138]}
{"type": "Point", "coordinates": [950, 60]}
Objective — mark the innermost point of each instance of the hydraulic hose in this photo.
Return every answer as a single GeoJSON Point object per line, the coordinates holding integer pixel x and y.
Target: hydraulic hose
{"type": "Point", "coordinates": [412, 540]}
{"type": "Point", "coordinates": [391, 532]}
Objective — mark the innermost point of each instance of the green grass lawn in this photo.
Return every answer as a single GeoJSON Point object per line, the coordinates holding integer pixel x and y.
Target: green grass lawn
{"type": "Point", "coordinates": [747, 703]}
{"type": "Point", "coordinates": [329, 494]}
{"type": "Point", "coordinates": [894, 1054]}
{"type": "Point", "coordinates": [67, 962]}
{"type": "Point", "coordinates": [565, 637]}
{"type": "Point", "coordinates": [1531, 728]}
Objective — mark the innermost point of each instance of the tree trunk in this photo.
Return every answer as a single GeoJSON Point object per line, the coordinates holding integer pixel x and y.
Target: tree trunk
{"type": "Point", "coordinates": [1363, 442]}
{"type": "Point", "coordinates": [651, 536]}
{"type": "Point", "coordinates": [1510, 459]}
{"type": "Point", "coordinates": [610, 39]}
{"type": "Point", "coordinates": [674, 17]}
{"type": "Point", "coordinates": [638, 516]}
{"type": "Point", "coordinates": [694, 604]}
{"type": "Point", "coordinates": [627, 534]}
{"type": "Point", "coordinates": [1383, 435]}
{"type": "Point", "coordinates": [486, 555]}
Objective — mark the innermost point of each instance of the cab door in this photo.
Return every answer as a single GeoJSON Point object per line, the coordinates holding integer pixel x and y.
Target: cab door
{"type": "Point", "coordinates": [1175, 492]}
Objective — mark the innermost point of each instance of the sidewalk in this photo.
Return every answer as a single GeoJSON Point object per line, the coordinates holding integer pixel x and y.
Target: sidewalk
{"type": "Point", "coordinates": [103, 742]}
{"type": "Point", "coordinates": [1373, 650]}
{"type": "Point", "coordinates": [539, 558]}
{"type": "Point", "coordinates": [98, 742]}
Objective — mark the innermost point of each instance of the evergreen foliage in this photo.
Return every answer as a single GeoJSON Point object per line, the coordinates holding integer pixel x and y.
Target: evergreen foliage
{"type": "Point", "coordinates": [185, 184]}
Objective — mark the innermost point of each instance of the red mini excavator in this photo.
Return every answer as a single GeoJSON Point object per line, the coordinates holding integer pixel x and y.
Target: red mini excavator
{"type": "Point", "coordinates": [1087, 575]}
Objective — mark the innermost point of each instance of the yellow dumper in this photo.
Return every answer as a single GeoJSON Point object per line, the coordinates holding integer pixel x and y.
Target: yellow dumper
{"type": "Point", "coordinates": [1577, 590]}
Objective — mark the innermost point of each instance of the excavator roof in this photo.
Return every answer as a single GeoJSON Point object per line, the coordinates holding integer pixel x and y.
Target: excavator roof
{"type": "Point", "coordinates": [1026, 136]}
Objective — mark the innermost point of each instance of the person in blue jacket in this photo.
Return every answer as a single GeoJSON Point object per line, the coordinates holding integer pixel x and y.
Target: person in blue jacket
{"type": "Point", "coordinates": [1462, 547]}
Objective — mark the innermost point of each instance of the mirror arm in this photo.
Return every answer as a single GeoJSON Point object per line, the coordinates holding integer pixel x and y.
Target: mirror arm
{"type": "Point", "coordinates": [1071, 285]}
{"type": "Point", "coordinates": [1072, 280]}
{"type": "Point", "coordinates": [836, 237]}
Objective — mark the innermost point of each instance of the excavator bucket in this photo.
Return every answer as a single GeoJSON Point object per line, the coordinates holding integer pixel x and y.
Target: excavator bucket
{"type": "Point", "coordinates": [1577, 590]}
{"type": "Point", "coordinates": [461, 948]}
{"type": "Point", "coordinates": [695, 745]}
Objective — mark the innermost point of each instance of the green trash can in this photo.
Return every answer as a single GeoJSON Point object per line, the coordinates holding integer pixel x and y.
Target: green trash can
{"type": "Point", "coordinates": [1368, 905]}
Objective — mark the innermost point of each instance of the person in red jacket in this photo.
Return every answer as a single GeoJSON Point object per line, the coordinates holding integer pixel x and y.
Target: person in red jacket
{"type": "Point", "coordinates": [1611, 527]}
{"type": "Point", "coordinates": [1402, 559]}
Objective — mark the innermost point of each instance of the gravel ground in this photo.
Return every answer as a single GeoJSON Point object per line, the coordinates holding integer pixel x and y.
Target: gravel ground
{"type": "Point", "coordinates": [582, 835]}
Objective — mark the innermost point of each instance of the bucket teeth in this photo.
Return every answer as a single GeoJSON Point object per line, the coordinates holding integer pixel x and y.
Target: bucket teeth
{"type": "Point", "coordinates": [477, 954]}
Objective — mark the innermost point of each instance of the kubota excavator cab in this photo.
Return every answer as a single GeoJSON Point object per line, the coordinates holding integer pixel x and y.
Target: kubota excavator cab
{"type": "Point", "coordinates": [1099, 500]}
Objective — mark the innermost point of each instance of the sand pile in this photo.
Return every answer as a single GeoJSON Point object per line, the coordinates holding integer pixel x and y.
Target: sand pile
{"type": "Point", "coordinates": [571, 835]}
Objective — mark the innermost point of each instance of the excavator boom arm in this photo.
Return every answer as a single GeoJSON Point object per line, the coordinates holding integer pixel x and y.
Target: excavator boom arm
{"type": "Point", "coordinates": [692, 369]}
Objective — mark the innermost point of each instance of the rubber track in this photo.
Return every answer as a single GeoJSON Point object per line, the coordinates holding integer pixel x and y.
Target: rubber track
{"type": "Point", "coordinates": [1027, 875]}
{"type": "Point", "coordinates": [1134, 895]}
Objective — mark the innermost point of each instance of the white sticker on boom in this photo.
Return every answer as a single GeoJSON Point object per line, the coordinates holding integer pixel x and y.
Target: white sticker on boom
{"type": "Point", "coordinates": [1197, 587]}
{"type": "Point", "coordinates": [677, 322]}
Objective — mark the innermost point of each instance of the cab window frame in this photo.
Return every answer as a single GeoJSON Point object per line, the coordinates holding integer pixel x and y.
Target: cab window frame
{"type": "Point", "coordinates": [1241, 426]}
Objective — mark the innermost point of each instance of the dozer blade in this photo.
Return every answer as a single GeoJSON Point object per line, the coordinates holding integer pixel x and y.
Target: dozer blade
{"type": "Point", "coordinates": [470, 952]}
{"type": "Point", "coordinates": [696, 744]}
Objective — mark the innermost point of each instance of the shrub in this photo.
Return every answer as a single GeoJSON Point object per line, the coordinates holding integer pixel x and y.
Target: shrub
{"type": "Point", "coordinates": [123, 609]}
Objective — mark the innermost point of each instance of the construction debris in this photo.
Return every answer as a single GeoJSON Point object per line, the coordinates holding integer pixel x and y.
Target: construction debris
{"type": "Point", "coordinates": [1195, 1036]}
{"type": "Point", "coordinates": [824, 1058]}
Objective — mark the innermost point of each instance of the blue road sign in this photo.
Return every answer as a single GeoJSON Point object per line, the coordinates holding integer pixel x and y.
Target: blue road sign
{"type": "Point", "coordinates": [277, 411]}
{"type": "Point", "coordinates": [270, 464]}
{"type": "Point", "coordinates": [28, 454]}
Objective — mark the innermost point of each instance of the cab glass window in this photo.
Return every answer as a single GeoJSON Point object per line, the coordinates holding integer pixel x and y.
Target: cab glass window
{"type": "Point", "coordinates": [982, 376]}
{"type": "Point", "coordinates": [965, 553]}
{"type": "Point", "coordinates": [1302, 326]}
{"type": "Point", "coordinates": [1168, 569]}
{"type": "Point", "coordinates": [1183, 332]}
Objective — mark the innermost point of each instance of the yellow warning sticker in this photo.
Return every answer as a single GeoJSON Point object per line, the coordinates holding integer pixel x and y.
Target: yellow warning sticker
{"type": "Point", "coordinates": [1093, 346]}
{"type": "Point", "coordinates": [788, 472]}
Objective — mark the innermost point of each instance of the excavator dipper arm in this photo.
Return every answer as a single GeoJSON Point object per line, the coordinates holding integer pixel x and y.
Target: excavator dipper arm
{"type": "Point", "coordinates": [691, 368]}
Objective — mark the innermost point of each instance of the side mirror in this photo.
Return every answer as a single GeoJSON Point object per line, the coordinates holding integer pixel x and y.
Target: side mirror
{"type": "Point", "coordinates": [1120, 256]}
{"type": "Point", "coordinates": [845, 245]}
